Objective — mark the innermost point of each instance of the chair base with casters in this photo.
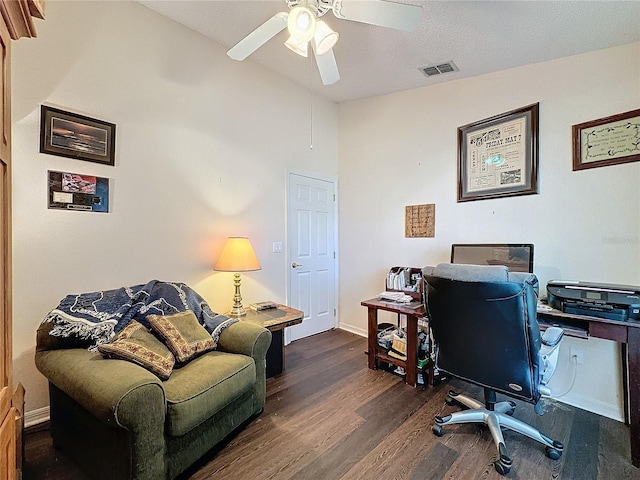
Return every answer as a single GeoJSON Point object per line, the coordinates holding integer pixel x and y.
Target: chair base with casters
{"type": "Point", "coordinates": [483, 320]}
{"type": "Point", "coordinates": [496, 416]}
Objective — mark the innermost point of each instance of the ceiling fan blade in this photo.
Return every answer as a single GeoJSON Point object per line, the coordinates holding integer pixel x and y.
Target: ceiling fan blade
{"type": "Point", "coordinates": [259, 36]}
{"type": "Point", "coordinates": [400, 16]}
{"type": "Point", "coordinates": [327, 66]}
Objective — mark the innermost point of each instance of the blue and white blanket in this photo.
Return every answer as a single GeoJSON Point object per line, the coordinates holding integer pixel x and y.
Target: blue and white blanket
{"type": "Point", "coordinates": [97, 316]}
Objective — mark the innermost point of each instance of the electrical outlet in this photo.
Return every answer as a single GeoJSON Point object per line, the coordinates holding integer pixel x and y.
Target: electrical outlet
{"type": "Point", "coordinates": [579, 354]}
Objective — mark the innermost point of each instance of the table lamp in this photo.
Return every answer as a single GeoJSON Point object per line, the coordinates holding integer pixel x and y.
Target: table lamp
{"type": "Point", "coordinates": [237, 256]}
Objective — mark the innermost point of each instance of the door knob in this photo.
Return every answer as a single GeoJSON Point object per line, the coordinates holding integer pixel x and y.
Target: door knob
{"type": "Point", "coordinates": [295, 265]}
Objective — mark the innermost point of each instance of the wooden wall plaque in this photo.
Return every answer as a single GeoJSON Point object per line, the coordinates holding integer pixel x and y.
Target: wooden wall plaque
{"type": "Point", "coordinates": [420, 221]}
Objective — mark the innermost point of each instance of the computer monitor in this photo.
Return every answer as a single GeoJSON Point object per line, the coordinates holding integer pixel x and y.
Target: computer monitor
{"type": "Point", "coordinates": [517, 256]}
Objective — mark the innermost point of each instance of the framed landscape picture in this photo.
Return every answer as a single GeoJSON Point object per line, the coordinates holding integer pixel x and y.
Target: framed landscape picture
{"type": "Point", "coordinates": [71, 135]}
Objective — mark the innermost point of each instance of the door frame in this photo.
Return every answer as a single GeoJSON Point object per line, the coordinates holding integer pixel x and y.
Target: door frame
{"type": "Point", "coordinates": [336, 270]}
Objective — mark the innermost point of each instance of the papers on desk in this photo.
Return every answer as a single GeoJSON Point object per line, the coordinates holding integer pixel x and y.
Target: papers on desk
{"type": "Point", "coordinates": [403, 278]}
{"type": "Point", "coordinates": [395, 297]}
{"type": "Point", "coordinates": [544, 307]}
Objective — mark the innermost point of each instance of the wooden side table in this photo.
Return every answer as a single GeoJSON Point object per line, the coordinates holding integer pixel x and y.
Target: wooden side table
{"type": "Point", "coordinates": [413, 311]}
{"type": "Point", "coordinates": [275, 320]}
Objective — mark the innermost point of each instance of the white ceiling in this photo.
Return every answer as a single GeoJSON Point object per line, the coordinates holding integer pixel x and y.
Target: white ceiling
{"type": "Point", "coordinates": [478, 36]}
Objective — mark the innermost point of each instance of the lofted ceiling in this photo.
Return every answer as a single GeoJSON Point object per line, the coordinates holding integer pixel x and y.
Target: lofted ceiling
{"type": "Point", "coordinates": [479, 37]}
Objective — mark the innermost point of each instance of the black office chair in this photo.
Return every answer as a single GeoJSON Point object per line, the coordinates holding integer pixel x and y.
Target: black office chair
{"type": "Point", "coordinates": [483, 322]}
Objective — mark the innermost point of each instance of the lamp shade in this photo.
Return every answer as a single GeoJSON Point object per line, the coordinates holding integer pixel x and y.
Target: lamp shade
{"type": "Point", "coordinates": [301, 23]}
{"type": "Point", "coordinates": [237, 256]}
{"type": "Point", "coordinates": [297, 46]}
{"type": "Point", "coordinates": [325, 38]}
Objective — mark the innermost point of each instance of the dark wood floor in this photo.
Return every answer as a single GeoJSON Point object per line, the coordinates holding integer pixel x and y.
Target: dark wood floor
{"type": "Point", "coordinates": [329, 417]}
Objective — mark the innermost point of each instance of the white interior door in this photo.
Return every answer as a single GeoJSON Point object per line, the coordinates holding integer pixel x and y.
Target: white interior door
{"type": "Point", "coordinates": [311, 254]}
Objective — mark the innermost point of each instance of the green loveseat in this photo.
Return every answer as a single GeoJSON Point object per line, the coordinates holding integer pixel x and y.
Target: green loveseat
{"type": "Point", "coordinates": [119, 421]}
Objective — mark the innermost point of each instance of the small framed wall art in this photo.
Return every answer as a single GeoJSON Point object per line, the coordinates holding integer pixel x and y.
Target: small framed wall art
{"type": "Point", "coordinates": [607, 141]}
{"type": "Point", "coordinates": [498, 156]}
{"type": "Point", "coordinates": [74, 191]}
{"type": "Point", "coordinates": [71, 135]}
{"type": "Point", "coordinates": [419, 221]}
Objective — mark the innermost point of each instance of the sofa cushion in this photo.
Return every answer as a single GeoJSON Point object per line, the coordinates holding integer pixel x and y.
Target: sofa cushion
{"type": "Point", "coordinates": [204, 386]}
{"type": "Point", "coordinates": [137, 344]}
{"type": "Point", "coordinates": [182, 333]}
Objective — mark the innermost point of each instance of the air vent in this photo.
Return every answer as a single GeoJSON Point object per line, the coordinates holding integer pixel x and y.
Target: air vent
{"type": "Point", "coordinates": [439, 69]}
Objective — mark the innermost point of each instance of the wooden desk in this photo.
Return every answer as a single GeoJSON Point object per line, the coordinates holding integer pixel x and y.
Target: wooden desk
{"type": "Point", "coordinates": [378, 355]}
{"type": "Point", "coordinates": [628, 335]}
{"type": "Point", "coordinates": [275, 320]}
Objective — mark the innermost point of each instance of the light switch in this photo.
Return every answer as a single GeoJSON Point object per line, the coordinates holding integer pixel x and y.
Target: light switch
{"type": "Point", "coordinates": [277, 247]}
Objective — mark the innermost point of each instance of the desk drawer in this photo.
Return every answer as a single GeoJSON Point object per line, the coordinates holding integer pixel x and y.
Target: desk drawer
{"type": "Point", "coordinates": [617, 333]}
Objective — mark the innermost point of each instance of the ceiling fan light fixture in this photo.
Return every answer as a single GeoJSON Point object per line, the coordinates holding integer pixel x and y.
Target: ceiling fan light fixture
{"type": "Point", "coordinates": [324, 38]}
{"type": "Point", "coordinates": [297, 46]}
{"type": "Point", "coordinates": [301, 23]}
{"type": "Point", "coordinates": [303, 19]}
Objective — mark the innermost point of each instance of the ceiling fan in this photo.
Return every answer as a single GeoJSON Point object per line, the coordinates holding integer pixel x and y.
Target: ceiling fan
{"type": "Point", "coordinates": [305, 27]}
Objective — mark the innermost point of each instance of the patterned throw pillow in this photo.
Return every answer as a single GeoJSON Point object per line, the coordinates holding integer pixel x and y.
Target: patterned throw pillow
{"type": "Point", "coordinates": [182, 333]}
{"type": "Point", "coordinates": [138, 345]}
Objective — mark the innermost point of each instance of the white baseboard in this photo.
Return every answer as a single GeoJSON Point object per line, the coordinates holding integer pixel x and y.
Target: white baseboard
{"type": "Point", "coordinates": [595, 406]}
{"type": "Point", "coordinates": [34, 417]}
{"type": "Point", "coordinates": [352, 329]}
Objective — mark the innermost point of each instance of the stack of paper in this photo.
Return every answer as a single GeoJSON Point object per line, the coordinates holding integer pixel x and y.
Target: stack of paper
{"type": "Point", "coordinates": [395, 297]}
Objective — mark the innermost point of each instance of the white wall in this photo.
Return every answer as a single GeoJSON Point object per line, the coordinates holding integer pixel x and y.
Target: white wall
{"type": "Point", "coordinates": [401, 149]}
{"type": "Point", "coordinates": [204, 144]}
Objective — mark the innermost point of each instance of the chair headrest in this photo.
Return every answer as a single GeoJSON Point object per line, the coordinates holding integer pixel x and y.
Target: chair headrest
{"type": "Point", "coordinates": [478, 273]}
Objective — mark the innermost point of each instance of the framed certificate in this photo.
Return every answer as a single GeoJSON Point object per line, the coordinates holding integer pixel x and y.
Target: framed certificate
{"type": "Point", "coordinates": [607, 141]}
{"type": "Point", "coordinates": [498, 156]}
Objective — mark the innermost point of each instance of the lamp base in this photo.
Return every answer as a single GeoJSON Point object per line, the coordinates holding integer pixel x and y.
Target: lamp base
{"type": "Point", "coordinates": [237, 310]}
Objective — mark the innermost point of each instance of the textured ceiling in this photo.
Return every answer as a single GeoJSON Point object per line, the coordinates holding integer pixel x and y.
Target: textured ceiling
{"type": "Point", "coordinates": [478, 36]}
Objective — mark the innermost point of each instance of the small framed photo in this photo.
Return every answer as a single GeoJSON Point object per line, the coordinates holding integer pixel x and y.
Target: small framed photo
{"type": "Point", "coordinates": [498, 156]}
{"type": "Point", "coordinates": [71, 135]}
{"type": "Point", "coordinates": [607, 141]}
{"type": "Point", "coordinates": [75, 191]}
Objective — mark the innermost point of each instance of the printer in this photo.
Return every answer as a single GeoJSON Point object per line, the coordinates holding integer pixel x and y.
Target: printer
{"type": "Point", "coordinates": [614, 302]}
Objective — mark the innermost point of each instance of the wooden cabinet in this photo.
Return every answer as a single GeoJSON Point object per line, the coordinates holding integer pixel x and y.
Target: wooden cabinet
{"type": "Point", "coordinates": [8, 443]}
{"type": "Point", "coordinates": [7, 414]}
{"type": "Point", "coordinates": [16, 22]}
{"type": "Point", "coordinates": [17, 16]}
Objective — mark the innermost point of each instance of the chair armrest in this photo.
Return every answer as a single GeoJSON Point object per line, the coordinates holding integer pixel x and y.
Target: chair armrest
{"type": "Point", "coordinates": [245, 338]}
{"type": "Point", "coordinates": [549, 351]}
{"type": "Point", "coordinates": [252, 340]}
{"type": "Point", "coordinates": [552, 336]}
{"type": "Point", "coordinates": [111, 390]}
